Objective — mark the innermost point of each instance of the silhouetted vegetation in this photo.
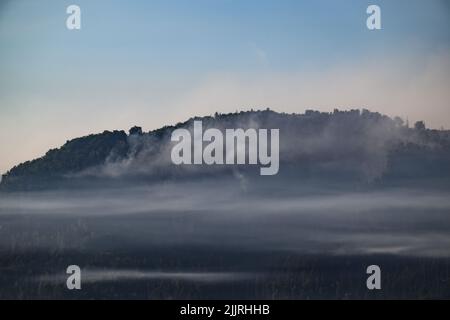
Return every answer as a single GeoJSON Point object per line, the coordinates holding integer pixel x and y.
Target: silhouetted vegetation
{"type": "Point", "coordinates": [343, 144]}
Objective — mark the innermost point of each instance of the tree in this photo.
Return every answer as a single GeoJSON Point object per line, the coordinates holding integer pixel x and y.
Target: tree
{"type": "Point", "coordinates": [135, 130]}
{"type": "Point", "coordinates": [419, 125]}
{"type": "Point", "coordinates": [399, 121]}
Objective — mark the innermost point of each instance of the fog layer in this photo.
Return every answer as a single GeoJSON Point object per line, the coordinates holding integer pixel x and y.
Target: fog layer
{"type": "Point", "coordinates": [208, 214]}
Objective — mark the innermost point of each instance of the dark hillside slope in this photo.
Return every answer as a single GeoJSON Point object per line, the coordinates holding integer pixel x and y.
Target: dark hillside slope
{"type": "Point", "coordinates": [341, 147]}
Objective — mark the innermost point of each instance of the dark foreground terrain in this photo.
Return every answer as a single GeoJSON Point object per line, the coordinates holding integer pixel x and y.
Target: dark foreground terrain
{"type": "Point", "coordinates": [218, 273]}
{"type": "Point", "coordinates": [238, 243]}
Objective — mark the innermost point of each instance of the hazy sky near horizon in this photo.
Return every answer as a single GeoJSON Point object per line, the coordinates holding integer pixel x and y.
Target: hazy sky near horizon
{"type": "Point", "coordinates": [152, 63]}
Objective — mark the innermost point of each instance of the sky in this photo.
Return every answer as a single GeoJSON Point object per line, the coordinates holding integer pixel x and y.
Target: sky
{"type": "Point", "coordinates": [153, 63]}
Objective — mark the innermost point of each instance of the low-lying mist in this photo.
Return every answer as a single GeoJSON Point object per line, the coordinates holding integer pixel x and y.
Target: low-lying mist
{"type": "Point", "coordinates": [407, 222]}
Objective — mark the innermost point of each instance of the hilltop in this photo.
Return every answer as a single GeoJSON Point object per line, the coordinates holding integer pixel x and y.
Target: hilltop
{"type": "Point", "coordinates": [348, 146]}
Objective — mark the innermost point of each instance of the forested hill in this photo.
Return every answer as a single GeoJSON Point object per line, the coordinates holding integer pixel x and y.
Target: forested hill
{"type": "Point", "coordinates": [353, 145]}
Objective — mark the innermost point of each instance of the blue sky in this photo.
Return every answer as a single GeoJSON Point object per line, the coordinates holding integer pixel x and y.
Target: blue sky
{"type": "Point", "coordinates": [158, 62]}
{"type": "Point", "coordinates": [192, 37]}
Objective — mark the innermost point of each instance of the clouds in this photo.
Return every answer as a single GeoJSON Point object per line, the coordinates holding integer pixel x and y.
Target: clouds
{"type": "Point", "coordinates": [411, 88]}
